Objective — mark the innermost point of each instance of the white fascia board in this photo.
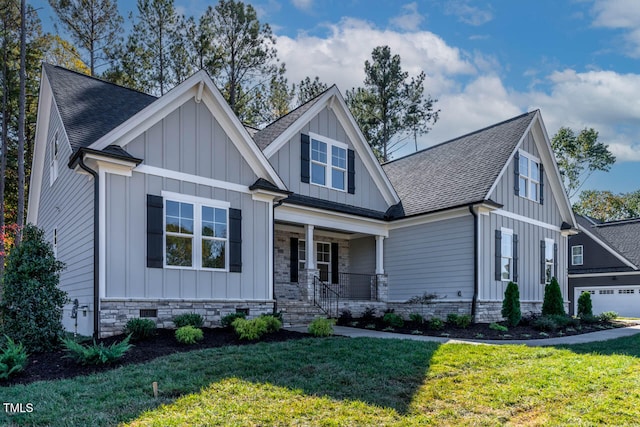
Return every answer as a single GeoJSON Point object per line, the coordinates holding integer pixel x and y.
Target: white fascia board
{"type": "Point", "coordinates": [191, 88]}
{"type": "Point", "coordinates": [45, 99]}
{"type": "Point", "coordinates": [195, 179]}
{"type": "Point", "coordinates": [607, 247]}
{"type": "Point", "coordinates": [331, 220]}
{"type": "Point", "coordinates": [429, 218]}
{"type": "Point", "coordinates": [611, 273]}
{"type": "Point", "coordinates": [107, 164]}
{"type": "Point", "coordinates": [322, 233]}
{"type": "Point", "coordinates": [526, 219]}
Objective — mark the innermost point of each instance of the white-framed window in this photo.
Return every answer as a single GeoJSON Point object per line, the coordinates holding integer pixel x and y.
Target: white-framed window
{"type": "Point", "coordinates": [529, 184]}
{"type": "Point", "coordinates": [549, 259]}
{"type": "Point", "coordinates": [328, 163]}
{"type": "Point", "coordinates": [506, 253]}
{"type": "Point", "coordinates": [577, 255]}
{"type": "Point", "coordinates": [54, 150]}
{"type": "Point", "coordinates": [323, 258]}
{"type": "Point", "coordinates": [196, 233]}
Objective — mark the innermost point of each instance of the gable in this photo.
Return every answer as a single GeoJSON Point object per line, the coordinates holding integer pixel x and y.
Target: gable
{"type": "Point", "coordinates": [326, 127]}
{"type": "Point", "coordinates": [596, 256]}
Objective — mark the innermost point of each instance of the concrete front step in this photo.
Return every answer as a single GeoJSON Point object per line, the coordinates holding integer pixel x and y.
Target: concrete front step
{"type": "Point", "coordinates": [298, 313]}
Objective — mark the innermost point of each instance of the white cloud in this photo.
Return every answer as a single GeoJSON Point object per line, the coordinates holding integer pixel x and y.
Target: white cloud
{"type": "Point", "coordinates": [622, 15]}
{"type": "Point", "coordinates": [304, 5]}
{"type": "Point", "coordinates": [410, 20]}
{"type": "Point", "coordinates": [466, 13]}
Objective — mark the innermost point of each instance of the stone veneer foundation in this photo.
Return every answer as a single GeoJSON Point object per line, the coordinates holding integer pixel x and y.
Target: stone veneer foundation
{"type": "Point", "coordinates": [114, 314]}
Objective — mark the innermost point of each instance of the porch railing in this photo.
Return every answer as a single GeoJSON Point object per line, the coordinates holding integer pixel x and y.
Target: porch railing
{"type": "Point", "coordinates": [355, 286]}
{"type": "Point", "coordinates": [325, 297]}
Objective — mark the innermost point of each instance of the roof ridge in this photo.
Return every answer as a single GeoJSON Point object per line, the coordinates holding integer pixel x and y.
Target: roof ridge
{"type": "Point", "coordinates": [618, 222]}
{"type": "Point", "coordinates": [463, 136]}
{"type": "Point", "coordinates": [47, 65]}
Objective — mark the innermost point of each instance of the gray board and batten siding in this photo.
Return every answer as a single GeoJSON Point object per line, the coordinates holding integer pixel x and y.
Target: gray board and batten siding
{"type": "Point", "coordinates": [191, 141]}
{"type": "Point", "coordinates": [67, 206]}
{"type": "Point", "coordinates": [286, 162]}
{"type": "Point", "coordinates": [436, 257]}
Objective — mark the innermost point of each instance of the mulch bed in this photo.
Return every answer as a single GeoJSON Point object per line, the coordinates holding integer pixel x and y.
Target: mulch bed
{"type": "Point", "coordinates": [475, 331]}
{"type": "Point", "coordinates": [54, 365]}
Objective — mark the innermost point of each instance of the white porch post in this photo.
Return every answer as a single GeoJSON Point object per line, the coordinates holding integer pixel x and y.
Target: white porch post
{"type": "Point", "coordinates": [379, 254]}
{"type": "Point", "coordinates": [311, 256]}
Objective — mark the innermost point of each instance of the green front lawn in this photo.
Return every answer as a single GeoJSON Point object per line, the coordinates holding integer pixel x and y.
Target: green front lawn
{"type": "Point", "coordinates": [339, 381]}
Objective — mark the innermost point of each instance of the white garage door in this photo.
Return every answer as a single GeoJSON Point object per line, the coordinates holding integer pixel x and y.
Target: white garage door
{"type": "Point", "coordinates": [624, 300]}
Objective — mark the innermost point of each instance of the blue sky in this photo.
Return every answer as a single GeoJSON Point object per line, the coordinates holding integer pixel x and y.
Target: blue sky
{"type": "Point", "coordinates": [578, 61]}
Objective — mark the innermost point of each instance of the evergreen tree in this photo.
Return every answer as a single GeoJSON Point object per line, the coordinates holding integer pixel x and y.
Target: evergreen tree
{"type": "Point", "coordinates": [511, 305]}
{"type": "Point", "coordinates": [94, 25]}
{"type": "Point", "coordinates": [390, 108]}
{"type": "Point", "coordinates": [585, 307]}
{"type": "Point", "coordinates": [308, 89]}
{"type": "Point", "coordinates": [553, 303]}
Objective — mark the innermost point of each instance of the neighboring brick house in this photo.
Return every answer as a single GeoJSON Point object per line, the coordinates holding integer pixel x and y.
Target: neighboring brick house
{"type": "Point", "coordinates": [605, 261]}
{"type": "Point", "coordinates": [161, 206]}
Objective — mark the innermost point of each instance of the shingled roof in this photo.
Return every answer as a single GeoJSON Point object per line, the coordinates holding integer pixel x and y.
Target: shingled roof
{"type": "Point", "coordinates": [272, 131]}
{"type": "Point", "coordinates": [621, 236]}
{"type": "Point", "coordinates": [457, 172]}
{"type": "Point", "coordinates": [91, 107]}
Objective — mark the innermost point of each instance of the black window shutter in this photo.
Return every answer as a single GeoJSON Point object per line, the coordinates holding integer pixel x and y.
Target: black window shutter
{"type": "Point", "coordinates": [541, 185]}
{"type": "Point", "coordinates": [235, 240]}
{"type": "Point", "coordinates": [515, 258]}
{"type": "Point", "coordinates": [351, 171]}
{"type": "Point", "coordinates": [555, 260]}
{"type": "Point", "coordinates": [516, 173]}
{"type": "Point", "coordinates": [155, 207]}
{"type": "Point", "coordinates": [498, 275]}
{"type": "Point", "coordinates": [293, 271]}
{"type": "Point", "coordinates": [543, 275]}
{"type": "Point", "coordinates": [334, 263]}
{"type": "Point", "coordinates": [304, 158]}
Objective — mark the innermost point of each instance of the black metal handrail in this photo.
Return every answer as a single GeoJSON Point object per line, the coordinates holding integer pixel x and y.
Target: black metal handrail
{"type": "Point", "coordinates": [326, 298]}
{"type": "Point", "coordinates": [356, 286]}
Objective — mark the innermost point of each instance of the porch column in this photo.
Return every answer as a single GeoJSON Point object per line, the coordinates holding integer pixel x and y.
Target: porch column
{"type": "Point", "coordinates": [311, 256]}
{"type": "Point", "coordinates": [379, 255]}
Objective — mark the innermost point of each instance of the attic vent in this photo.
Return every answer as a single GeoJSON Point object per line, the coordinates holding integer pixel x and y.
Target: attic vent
{"type": "Point", "coordinates": [149, 312]}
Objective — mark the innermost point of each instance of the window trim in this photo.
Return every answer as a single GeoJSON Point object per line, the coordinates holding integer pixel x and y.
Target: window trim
{"type": "Point", "coordinates": [54, 157]}
{"type": "Point", "coordinates": [197, 238]}
{"type": "Point", "coordinates": [573, 255]}
{"type": "Point", "coordinates": [549, 245]}
{"type": "Point", "coordinates": [529, 181]}
{"type": "Point", "coordinates": [506, 232]}
{"type": "Point", "coordinates": [329, 166]}
{"type": "Point", "coordinates": [54, 242]}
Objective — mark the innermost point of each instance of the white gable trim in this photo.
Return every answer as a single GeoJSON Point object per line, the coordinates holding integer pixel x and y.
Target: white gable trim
{"type": "Point", "coordinates": [607, 247]}
{"type": "Point", "coordinates": [333, 100]}
{"type": "Point", "coordinates": [547, 158]}
{"type": "Point", "coordinates": [196, 86]}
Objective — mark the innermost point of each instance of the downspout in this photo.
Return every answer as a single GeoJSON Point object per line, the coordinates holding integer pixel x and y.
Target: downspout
{"type": "Point", "coordinates": [474, 302]}
{"type": "Point", "coordinates": [96, 246]}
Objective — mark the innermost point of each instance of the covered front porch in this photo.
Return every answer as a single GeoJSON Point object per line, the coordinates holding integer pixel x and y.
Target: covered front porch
{"type": "Point", "coordinates": [329, 263]}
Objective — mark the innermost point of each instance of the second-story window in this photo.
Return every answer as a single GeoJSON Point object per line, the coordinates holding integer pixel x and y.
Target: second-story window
{"type": "Point", "coordinates": [328, 163]}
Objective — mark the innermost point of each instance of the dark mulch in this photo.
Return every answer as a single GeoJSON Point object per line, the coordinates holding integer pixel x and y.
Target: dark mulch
{"type": "Point", "coordinates": [524, 331]}
{"type": "Point", "coordinates": [54, 365]}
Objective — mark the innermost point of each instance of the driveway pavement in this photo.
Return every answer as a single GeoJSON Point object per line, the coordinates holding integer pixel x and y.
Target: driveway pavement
{"type": "Point", "coordinates": [605, 335]}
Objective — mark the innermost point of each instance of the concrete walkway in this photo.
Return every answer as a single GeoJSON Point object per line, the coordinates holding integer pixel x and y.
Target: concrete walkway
{"type": "Point", "coordinates": [605, 335]}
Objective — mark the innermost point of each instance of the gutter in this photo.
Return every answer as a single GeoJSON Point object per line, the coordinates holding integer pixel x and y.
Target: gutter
{"type": "Point", "coordinates": [474, 302]}
{"type": "Point", "coordinates": [96, 247]}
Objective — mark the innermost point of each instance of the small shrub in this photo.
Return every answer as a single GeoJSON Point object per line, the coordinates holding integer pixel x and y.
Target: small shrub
{"type": "Point", "coordinates": [189, 319]}
{"type": "Point", "coordinates": [250, 329]}
{"type": "Point", "coordinates": [546, 323]}
{"type": "Point", "coordinates": [321, 327]}
{"type": "Point", "coordinates": [511, 305]}
{"type": "Point", "coordinates": [96, 354]}
{"type": "Point", "coordinates": [369, 314]}
{"type": "Point", "coordinates": [227, 320]}
{"type": "Point", "coordinates": [589, 319]}
{"type": "Point", "coordinates": [354, 324]}
{"type": "Point", "coordinates": [553, 302]}
{"type": "Point", "coordinates": [393, 320]}
{"type": "Point", "coordinates": [459, 320]}
{"type": "Point", "coordinates": [189, 334]}
{"type": "Point", "coordinates": [416, 332]}
{"type": "Point", "coordinates": [273, 323]}
{"type": "Point", "coordinates": [388, 329]}
{"type": "Point", "coordinates": [498, 327]}
{"type": "Point", "coordinates": [436, 323]}
{"type": "Point", "coordinates": [608, 316]}
{"type": "Point", "coordinates": [565, 321]}
{"type": "Point", "coordinates": [140, 329]}
{"type": "Point", "coordinates": [416, 318]}
{"type": "Point", "coordinates": [13, 358]}
{"type": "Point", "coordinates": [370, 326]}
{"type": "Point", "coordinates": [345, 317]}
{"type": "Point", "coordinates": [585, 308]}
{"type": "Point", "coordinates": [32, 302]}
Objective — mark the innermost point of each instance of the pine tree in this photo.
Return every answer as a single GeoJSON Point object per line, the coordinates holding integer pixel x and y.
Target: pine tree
{"type": "Point", "coordinates": [553, 303]}
{"type": "Point", "coordinates": [511, 305]}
